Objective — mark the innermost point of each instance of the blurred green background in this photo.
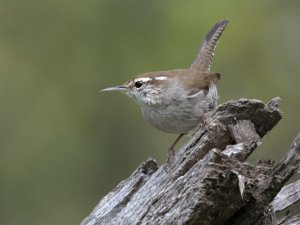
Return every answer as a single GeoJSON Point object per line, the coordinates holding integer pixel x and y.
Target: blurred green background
{"type": "Point", "coordinates": [63, 146]}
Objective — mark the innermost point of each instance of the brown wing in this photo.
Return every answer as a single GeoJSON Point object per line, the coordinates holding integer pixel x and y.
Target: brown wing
{"type": "Point", "coordinates": [202, 81]}
{"type": "Point", "coordinates": [207, 49]}
{"type": "Point", "coordinates": [195, 80]}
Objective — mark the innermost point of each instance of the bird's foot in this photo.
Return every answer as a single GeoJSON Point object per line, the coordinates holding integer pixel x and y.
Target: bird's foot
{"type": "Point", "coordinates": [206, 119]}
{"type": "Point", "coordinates": [171, 155]}
{"type": "Point", "coordinates": [170, 160]}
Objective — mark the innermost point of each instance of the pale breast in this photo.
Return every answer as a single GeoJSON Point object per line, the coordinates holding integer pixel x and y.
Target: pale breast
{"type": "Point", "coordinates": [181, 114]}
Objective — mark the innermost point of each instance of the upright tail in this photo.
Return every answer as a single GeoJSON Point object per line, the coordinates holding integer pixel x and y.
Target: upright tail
{"type": "Point", "coordinates": [207, 49]}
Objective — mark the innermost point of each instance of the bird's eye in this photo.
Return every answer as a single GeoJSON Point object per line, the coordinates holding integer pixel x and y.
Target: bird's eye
{"type": "Point", "coordinates": [138, 84]}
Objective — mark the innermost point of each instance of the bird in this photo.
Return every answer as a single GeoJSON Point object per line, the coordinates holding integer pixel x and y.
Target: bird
{"type": "Point", "coordinates": [175, 101]}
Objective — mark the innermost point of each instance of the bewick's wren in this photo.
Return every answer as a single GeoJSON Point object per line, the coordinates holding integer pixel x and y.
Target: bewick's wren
{"type": "Point", "coordinates": [175, 101]}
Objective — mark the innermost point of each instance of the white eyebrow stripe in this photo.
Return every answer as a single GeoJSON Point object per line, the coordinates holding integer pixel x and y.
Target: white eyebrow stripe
{"type": "Point", "coordinates": [161, 78]}
{"type": "Point", "coordinates": [143, 79]}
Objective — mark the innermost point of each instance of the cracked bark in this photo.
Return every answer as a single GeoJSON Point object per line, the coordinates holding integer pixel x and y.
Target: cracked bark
{"type": "Point", "coordinates": [210, 182]}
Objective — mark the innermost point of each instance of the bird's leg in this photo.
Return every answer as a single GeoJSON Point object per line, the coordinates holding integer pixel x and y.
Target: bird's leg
{"type": "Point", "coordinates": [171, 151]}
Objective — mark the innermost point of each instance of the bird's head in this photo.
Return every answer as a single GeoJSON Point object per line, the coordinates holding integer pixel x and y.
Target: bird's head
{"type": "Point", "coordinates": [144, 89]}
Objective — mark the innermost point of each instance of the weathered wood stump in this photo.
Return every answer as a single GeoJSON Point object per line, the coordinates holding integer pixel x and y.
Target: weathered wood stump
{"type": "Point", "coordinates": [210, 182]}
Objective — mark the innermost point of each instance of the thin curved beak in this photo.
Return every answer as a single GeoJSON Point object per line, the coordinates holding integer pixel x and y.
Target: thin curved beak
{"type": "Point", "coordinates": [116, 88]}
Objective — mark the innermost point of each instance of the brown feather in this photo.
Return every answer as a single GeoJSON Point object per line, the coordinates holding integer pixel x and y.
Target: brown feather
{"type": "Point", "coordinates": [192, 80]}
{"type": "Point", "coordinates": [207, 49]}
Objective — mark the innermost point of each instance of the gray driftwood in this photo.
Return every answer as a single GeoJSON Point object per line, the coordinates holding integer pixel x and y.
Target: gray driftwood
{"type": "Point", "coordinates": [210, 182]}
